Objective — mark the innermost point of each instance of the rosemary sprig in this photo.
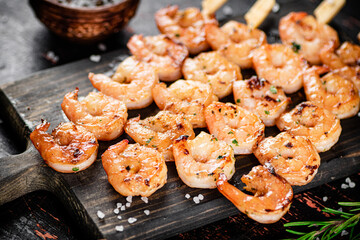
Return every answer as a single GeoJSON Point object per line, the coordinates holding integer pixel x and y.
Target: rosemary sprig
{"type": "Point", "coordinates": [329, 229]}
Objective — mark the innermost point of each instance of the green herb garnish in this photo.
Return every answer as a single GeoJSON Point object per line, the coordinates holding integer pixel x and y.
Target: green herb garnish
{"type": "Point", "coordinates": [295, 47]}
{"type": "Point", "coordinates": [273, 90]}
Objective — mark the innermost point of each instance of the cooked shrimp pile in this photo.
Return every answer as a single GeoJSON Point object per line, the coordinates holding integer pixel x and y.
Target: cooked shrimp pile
{"type": "Point", "coordinates": [207, 160]}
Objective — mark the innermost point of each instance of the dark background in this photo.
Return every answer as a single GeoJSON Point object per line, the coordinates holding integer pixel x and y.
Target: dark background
{"type": "Point", "coordinates": [24, 44]}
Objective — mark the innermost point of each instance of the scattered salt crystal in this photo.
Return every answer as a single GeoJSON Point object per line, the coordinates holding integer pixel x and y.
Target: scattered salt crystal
{"type": "Point", "coordinates": [276, 8]}
{"type": "Point", "coordinates": [118, 205]}
{"type": "Point", "coordinates": [119, 228]}
{"type": "Point", "coordinates": [196, 200]}
{"type": "Point", "coordinates": [332, 178]}
{"type": "Point", "coordinates": [344, 186]}
{"type": "Point", "coordinates": [132, 220]}
{"type": "Point", "coordinates": [227, 10]}
{"type": "Point", "coordinates": [128, 204]}
{"type": "Point", "coordinates": [95, 58]}
{"type": "Point", "coordinates": [145, 199]}
{"type": "Point", "coordinates": [116, 211]}
{"type": "Point", "coordinates": [201, 197]}
{"type": "Point", "coordinates": [50, 56]}
{"type": "Point", "coordinates": [340, 209]}
{"type": "Point", "coordinates": [119, 217]}
{"type": "Point", "coordinates": [358, 114]}
{"type": "Point", "coordinates": [100, 214]}
{"type": "Point", "coordinates": [348, 180]}
{"type": "Point", "coordinates": [325, 198]}
{"type": "Point", "coordinates": [102, 47]}
{"type": "Point", "coordinates": [187, 196]}
{"type": "Point", "coordinates": [344, 233]}
{"type": "Point", "coordinates": [129, 199]}
{"type": "Point", "coordinates": [122, 208]}
{"type": "Point", "coordinates": [147, 212]}
{"type": "Point", "coordinates": [317, 238]}
{"type": "Point", "coordinates": [352, 185]}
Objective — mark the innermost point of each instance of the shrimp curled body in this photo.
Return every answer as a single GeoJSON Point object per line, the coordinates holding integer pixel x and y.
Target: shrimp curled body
{"type": "Point", "coordinates": [132, 83]}
{"type": "Point", "coordinates": [213, 69]}
{"type": "Point", "coordinates": [316, 123]}
{"type": "Point", "coordinates": [272, 195]}
{"type": "Point", "coordinates": [199, 161]}
{"type": "Point", "coordinates": [293, 158]}
{"type": "Point", "coordinates": [159, 131]}
{"type": "Point", "coordinates": [258, 96]}
{"type": "Point", "coordinates": [165, 55]}
{"type": "Point", "coordinates": [102, 115]}
{"type": "Point", "coordinates": [133, 169]}
{"type": "Point", "coordinates": [235, 125]}
{"type": "Point", "coordinates": [70, 148]}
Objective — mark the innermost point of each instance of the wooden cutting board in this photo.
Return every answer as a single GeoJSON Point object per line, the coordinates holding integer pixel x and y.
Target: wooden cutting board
{"type": "Point", "coordinates": [39, 96]}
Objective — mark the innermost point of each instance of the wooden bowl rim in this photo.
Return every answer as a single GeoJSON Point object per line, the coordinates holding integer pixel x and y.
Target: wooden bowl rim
{"type": "Point", "coordinates": [86, 9]}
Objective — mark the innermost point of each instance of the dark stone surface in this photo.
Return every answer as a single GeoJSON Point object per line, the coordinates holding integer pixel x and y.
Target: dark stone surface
{"type": "Point", "coordinates": [24, 43]}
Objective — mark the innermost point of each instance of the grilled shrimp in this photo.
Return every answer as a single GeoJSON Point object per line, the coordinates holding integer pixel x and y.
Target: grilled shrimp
{"type": "Point", "coordinates": [186, 26]}
{"type": "Point", "coordinates": [188, 98]}
{"type": "Point", "coordinates": [159, 131]}
{"type": "Point", "coordinates": [133, 169]}
{"type": "Point", "coordinates": [199, 161]}
{"type": "Point", "coordinates": [332, 92]}
{"type": "Point", "coordinates": [272, 195]}
{"type": "Point", "coordinates": [279, 65]}
{"type": "Point", "coordinates": [213, 69]}
{"type": "Point", "coordinates": [102, 115]}
{"type": "Point", "coordinates": [165, 55]}
{"type": "Point", "coordinates": [132, 83]}
{"type": "Point", "coordinates": [293, 158]}
{"type": "Point", "coordinates": [306, 35]}
{"type": "Point", "coordinates": [235, 41]}
{"type": "Point", "coordinates": [344, 61]}
{"type": "Point", "coordinates": [316, 123]}
{"type": "Point", "coordinates": [235, 125]}
{"type": "Point", "coordinates": [258, 96]}
{"type": "Point", "coordinates": [70, 148]}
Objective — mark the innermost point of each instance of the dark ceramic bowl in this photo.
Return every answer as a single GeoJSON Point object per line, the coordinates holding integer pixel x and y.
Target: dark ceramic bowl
{"type": "Point", "coordinates": [84, 25]}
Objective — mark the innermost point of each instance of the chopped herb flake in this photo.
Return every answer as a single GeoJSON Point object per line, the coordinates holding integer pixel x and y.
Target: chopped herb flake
{"type": "Point", "coordinates": [295, 47]}
{"type": "Point", "coordinates": [231, 132]}
{"type": "Point", "coordinates": [235, 142]}
{"type": "Point", "coordinates": [267, 112]}
{"type": "Point", "coordinates": [273, 90]}
{"type": "Point", "coordinates": [75, 169]}
{"type": "Point", "coordinates": [149, 140]}
{"type": "Point", "coordinates": [238, 100]}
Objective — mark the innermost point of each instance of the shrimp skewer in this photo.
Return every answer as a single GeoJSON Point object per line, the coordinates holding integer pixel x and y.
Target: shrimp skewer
{"type": "Point", "coordinates": [102, 115]}
{"type": "Point", "coordinates": [70, 148]}
{"type": "Point", "coordinates": [235, 125]}
{"type": "Point", "coordinates": [279, 65]}
{"type": "Point", "coordinates": [332, 92]}
{"type": "Point", "coordinates": [272, 195]}
{"type": "Point", "coordinates": [199, 161]}
{"type": "Point", "coordinates": [293, 158]}
{"type": "Point", "coordinates": [258, 96]}
{"type": "Point", "coordinates": [306, 35]}
{"type": "Point", "coordinates": [159, 131]}
{"type": "Point", "coordinates": [132, 83]}
{"type": "Point", "coordinates": [133, 169]}
{"type": "Point", "coordinates": [213, 69]}
{"type": "Point", "coordinates": [165, 55]}
{"type": "Point", "coordinates": [235, 41]}
{"type": "Point", "coordinates": [186, 26]}
{"type": "Point", "coordinates": [316, 123]}
{"type": "Point", "coordinates": [188, 98]}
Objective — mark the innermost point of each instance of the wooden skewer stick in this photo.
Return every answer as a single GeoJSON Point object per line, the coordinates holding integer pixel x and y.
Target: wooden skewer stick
{"type": "Point", "coordinates": [258, 12]}
{"type": "Point", "coordinates": [328, 9]}
{"type": "Point", "coordinates": [209, 7]}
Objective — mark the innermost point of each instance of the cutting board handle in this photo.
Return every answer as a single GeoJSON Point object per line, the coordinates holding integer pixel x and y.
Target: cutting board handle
{"type": "Point", "coordinates": [21, 174]}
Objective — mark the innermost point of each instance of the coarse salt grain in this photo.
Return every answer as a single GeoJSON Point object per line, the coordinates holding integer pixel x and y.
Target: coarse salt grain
{"type": "Point", "coordinates": [118, 205]}
{"type": "Point", "coordinates": [132, 220]}
{"type": "Point", "coordinates": [119, 217]}
{"type": "Point", "coordinates": [344, 233]}
{"type": "Point", "coordinates": [352, 185]}
{"type": "Point", "coordinates": [348, 180]}
{"type": "Point", "coordinates": [344, 186]}
{"type": "Point", "coordinates": [100, 214]}
{"type": "Point", "coordinates": [116, 211]}
{"type": "Point", "coordinates": [128, 204]}
{"type": "Point", "coordinates": [227, 10]}
{"type": "Point", "coordinates": [187, 196]}
{"type": "Point", "coordinates": [196, 200]}
{"type": "Point", "coordinates": [95, 58]}
{"type": "Point", "coordinates": [119, 228]}
{"type": "Point", "coordinates": [201, 197]}
{"type": "Point", "coordinates": [276, 8]}
{"type": "Point", "coordinates": [358, 114]}
{"type": "Point", "coordinates": [129, 199]}
{"type": "Point", "coordinates": [145, 199]}
{"type": "Point", "coordinates": [147, 212]}
{"type": "Point", "coordinates": [325, 198]}
{"type": "Point", "coordinates": [122, 208]}
{"type": "Point", "coordinates": [102, 47]}
{"type": "Point", "coordinates": [340, 209]}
